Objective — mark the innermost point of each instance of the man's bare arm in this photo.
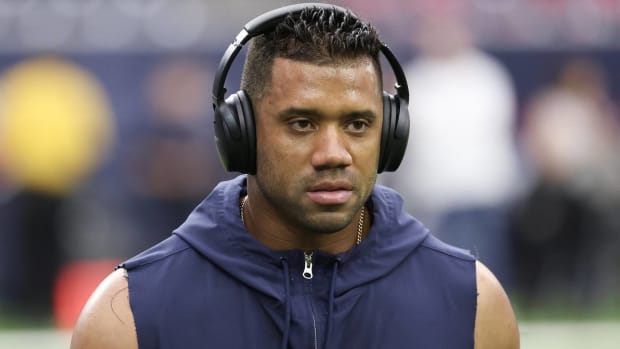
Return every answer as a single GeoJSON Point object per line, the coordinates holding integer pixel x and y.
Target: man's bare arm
{"type": "Point", "coordinates": [106, 320]}
{"type": "Point", "coordinates": [496, 325]}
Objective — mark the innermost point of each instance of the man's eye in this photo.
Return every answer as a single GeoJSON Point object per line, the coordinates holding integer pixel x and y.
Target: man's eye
{"type": "Point", "coordinates": [357, 126]}
{"type": "Point", "coordinates": [301, 125]}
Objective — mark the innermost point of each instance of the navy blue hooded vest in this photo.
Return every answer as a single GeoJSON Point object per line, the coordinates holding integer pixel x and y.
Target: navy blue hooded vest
{"type": "Point", "coordinates": [212, 285]}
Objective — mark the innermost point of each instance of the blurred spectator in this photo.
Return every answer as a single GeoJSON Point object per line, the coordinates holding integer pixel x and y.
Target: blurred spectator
{"type": "Point", "coordinates": [167, 165]}
{"type": "Point", "coordinates": [460, 171]}
{"type": "Point", "coordinates": [567, 228]}
{"type": "Point", "coordinates": [171, 163]}
{"type": "Point", "coordinates": [55, 128]}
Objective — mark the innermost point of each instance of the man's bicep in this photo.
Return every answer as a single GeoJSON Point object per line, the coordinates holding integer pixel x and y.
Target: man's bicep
{"type": "Point", "coordinates": [496, 325]}
{"type": "Point", "coordinates": [106, 320]}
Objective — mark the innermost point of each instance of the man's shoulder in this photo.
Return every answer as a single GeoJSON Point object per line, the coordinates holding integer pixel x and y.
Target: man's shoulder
{"type": "Point", "coordinates": [496, 324]}
{"type": "Point", "coordinates": [106, 320]}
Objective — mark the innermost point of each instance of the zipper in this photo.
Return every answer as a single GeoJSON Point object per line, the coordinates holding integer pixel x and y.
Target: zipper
{"type": "Point", "coordinates": [316, 337]}
{"type": "Point", "coordinates": [307, 274]}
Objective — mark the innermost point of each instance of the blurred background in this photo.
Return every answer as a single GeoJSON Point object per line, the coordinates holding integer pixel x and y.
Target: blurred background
{"type": "Point", "coordinates": [106, 144]}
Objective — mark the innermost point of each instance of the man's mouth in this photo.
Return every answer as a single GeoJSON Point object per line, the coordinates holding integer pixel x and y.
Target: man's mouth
{"type": "Point", "coordinates": [330, 193]}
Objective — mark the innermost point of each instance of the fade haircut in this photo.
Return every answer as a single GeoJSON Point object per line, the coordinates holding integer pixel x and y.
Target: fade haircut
{"type": "Point", "coordinates": [319, 36]}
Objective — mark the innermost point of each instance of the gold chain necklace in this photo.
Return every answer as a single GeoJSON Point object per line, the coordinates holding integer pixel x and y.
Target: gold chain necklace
{"type": "Point", "coordinates": [360, 223]}
{"type": "Point", "coordinates": [360, 227]}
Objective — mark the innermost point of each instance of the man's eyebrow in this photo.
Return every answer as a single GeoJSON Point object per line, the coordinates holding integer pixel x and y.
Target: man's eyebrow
{"type": "Point", "coordinates": [365, 114]}
{"type": "Point", "coordinates": [293, 111]}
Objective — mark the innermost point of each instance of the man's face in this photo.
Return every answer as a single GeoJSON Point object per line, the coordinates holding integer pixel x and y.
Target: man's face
{"type": "Point", "coordinates": [318, 132]}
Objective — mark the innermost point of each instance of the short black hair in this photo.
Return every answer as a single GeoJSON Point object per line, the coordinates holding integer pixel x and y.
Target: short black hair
{"type": "Point", "coordinates": [316, 35]}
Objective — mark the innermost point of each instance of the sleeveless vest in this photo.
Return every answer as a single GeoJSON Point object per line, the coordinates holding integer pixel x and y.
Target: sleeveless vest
{"type": "Point", "coordinates": [212, 285]}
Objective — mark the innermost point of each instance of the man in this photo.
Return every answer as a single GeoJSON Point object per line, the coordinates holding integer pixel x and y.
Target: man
{"type": "Point", "coordinates": [304, 251]}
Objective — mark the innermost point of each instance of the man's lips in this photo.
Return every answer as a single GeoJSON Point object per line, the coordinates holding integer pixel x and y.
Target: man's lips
{"type": "Point", "coordinates": [333, 197]}
{"type": "Point", "coordinates": [330, 193]}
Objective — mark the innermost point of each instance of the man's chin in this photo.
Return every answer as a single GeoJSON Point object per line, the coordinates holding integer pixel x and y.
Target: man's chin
{"type": "Point", "coordinates": [327, 222]}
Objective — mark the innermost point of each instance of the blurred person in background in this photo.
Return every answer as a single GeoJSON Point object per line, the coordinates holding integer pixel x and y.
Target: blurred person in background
{"type": "Point", "coordinates": [165, 165]}
{"type": "Point", "coordinates": [55, 130]}
{"type": "Point", "coordinates": [170, 160]}
{"type": "Point", "coordinates": [461, 170]}
{"type": "Point", "coordinates": [567, 227]}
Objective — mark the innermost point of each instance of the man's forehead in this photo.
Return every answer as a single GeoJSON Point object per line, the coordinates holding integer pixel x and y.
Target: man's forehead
{"type": "Point", "coordinates": [359, 67]}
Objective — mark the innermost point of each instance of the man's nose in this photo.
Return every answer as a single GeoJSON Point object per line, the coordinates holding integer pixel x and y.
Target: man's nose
{"type": "Point", "coordinates": [331, 149]}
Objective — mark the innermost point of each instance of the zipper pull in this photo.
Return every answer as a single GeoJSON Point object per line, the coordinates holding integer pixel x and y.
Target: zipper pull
{"type": "Point", "coordinates": [307, 274]}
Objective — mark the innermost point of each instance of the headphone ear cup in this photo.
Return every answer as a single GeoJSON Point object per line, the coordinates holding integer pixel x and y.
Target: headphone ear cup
{"type": "Point", "coordinates": [235, 134]}
{"type": "Point", "coordinates": [394, 133]}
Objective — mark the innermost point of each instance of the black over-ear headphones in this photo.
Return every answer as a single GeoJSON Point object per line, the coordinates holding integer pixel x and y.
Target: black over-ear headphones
{"type": "Point", "coordinates": [235, 133]}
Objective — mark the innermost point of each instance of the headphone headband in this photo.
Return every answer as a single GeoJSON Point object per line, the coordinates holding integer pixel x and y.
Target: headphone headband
{"type": "Point", "coordinates": [266, 22]}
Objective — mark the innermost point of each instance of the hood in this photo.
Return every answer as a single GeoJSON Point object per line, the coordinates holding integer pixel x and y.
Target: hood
{"type": "Point", "coordinates": [214, 229]}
